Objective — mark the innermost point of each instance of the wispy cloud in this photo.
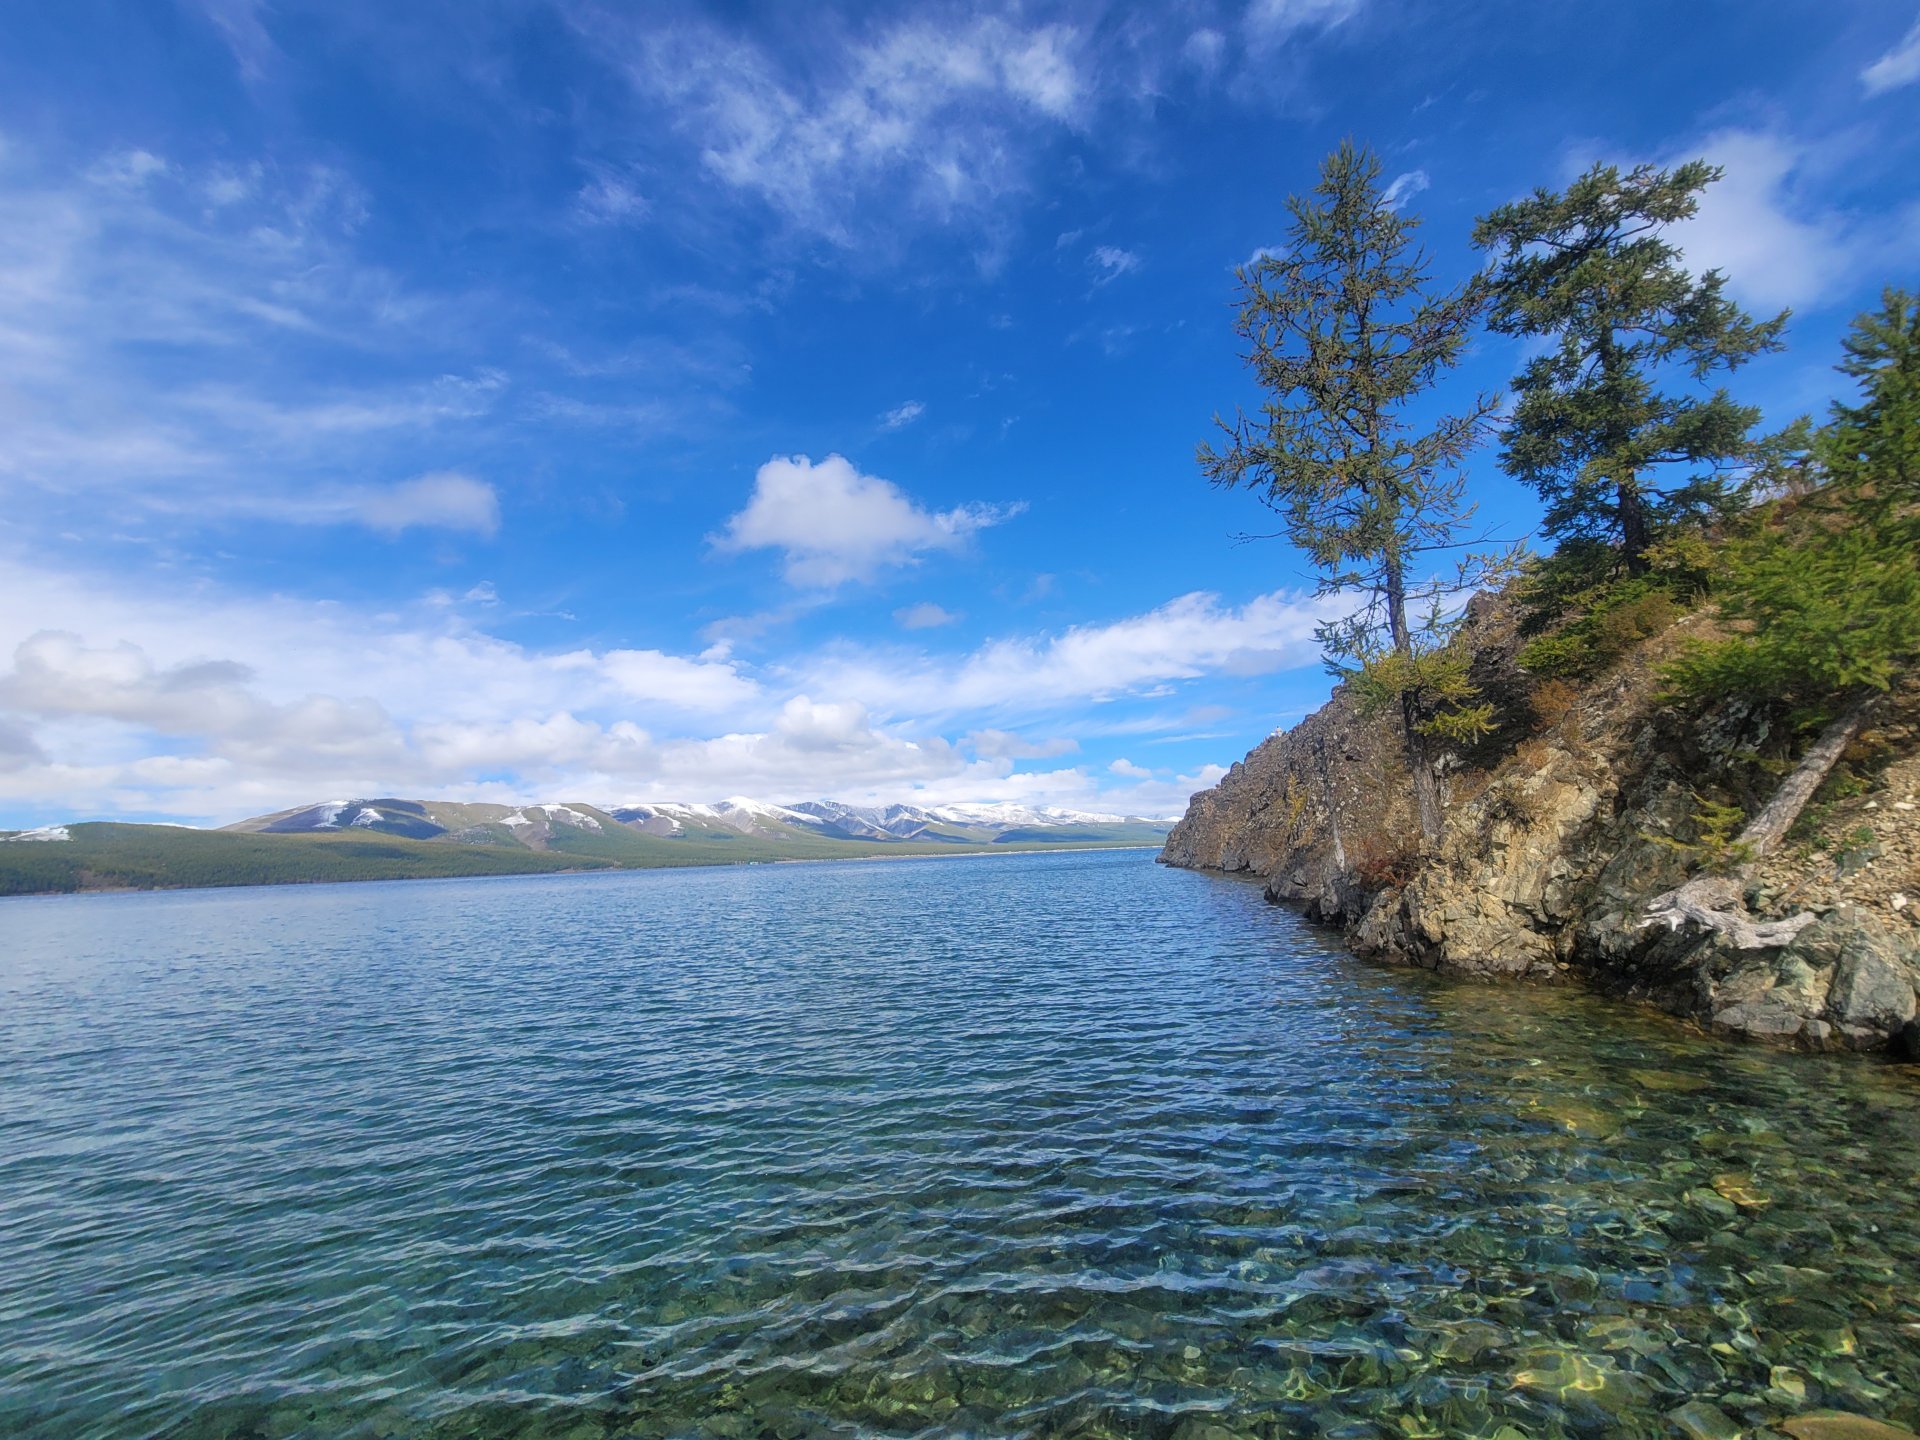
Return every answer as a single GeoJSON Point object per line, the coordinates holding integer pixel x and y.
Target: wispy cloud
{"type": "Point", "coordinates": [1403, 188]}
{"type": "Point", "coordinates": [903, 415]}
{"type": "Point", "coordinates": [924, 616]}
{"type": "Point", "coordinates": [923, 119]}
{"type": "Point", "coordinates": [1899, 66]}
{"type": "Point", "coordinates": [1110, 262]}
{"type": "Point", "coordinates": [1184, 639]}
{"type": "Point", "coordinates": [609, 199]}
{"type": "Point", "coordinates": [1268, 20]}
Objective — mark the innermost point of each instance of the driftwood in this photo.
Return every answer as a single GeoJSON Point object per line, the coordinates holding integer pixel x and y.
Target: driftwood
{"type": "Point", "coordinates": [1715, 902]}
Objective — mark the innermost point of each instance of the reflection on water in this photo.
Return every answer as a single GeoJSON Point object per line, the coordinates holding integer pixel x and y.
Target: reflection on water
{"type": "Point", "coordinates": [1066, 1144]}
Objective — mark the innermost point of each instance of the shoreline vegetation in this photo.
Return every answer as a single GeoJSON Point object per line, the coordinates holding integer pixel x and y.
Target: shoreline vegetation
{"type": "Point", "coordinates": [1677, 755]}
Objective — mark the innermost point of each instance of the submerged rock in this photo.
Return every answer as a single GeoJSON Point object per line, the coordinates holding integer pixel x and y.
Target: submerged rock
{"type": "Point", "coordinates": [1700, 1421]}
{"type": "Point", "coordinates": [1839, 1425]}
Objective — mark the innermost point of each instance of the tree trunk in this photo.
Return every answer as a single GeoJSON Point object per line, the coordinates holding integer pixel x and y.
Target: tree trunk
{"type": "Point", "coordinates": [1426, 785]}
{"type": "Point", "coordinates": [1715, 901]}
{"type": "Point", "coordinates": [1635, 533]}
{"type": "Point", "coordinates": [1770, 826]}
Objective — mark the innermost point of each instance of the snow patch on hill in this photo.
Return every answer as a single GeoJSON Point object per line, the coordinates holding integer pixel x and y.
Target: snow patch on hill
{"type": "Point", "coordinates": [567, 815]}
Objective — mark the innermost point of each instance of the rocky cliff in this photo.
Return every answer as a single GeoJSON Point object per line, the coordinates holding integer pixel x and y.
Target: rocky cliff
{"type": "Point", "coordinates": [1567, 821]}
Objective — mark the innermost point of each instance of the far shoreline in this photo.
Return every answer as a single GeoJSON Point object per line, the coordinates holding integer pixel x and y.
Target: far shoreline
{"type": "Point", "coordinates": [969, 854]}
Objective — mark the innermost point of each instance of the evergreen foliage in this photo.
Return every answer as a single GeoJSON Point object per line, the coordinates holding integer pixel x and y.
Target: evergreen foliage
{"type": "Point", "coordinates": [1827, 590]}
{"type": "Point", "coordinates": [1594, 431]}
{"type": "Point", "coordinates": [1346, 334]}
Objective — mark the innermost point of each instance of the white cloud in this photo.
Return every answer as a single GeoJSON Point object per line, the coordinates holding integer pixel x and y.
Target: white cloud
{"type": "Point", "coordinates": [211, 706]}
{"type": "Point", "coordinates": [1899, 66]}
{"type": "Point", "coordinates": [923, 119]}
{"type": "Point", "coordinates": [1404, 188]}
{"type": "Point", "coordinates": [1110, 263]}
{"type": "Point", "coordinates": [189, 701]}
{"type": "Point", "coordinates": [1186, 638]}
{"type": "Point", "coordinates": [1006, 745]}
{"type": "Point", "coordinates": [240, 24]}
{"type": "Point", "coordinates": [224, 273]}
{"type": "Point", "coordinates": [924, 616]}
{"type": "Point", "coordinates": [607, 199]}
{"type": "Point", "coordinates": [1776, 246]}
{"type": "Point", "coordinates": [1277, 19]}
{"type": "Point", "coordinates": [835, 524]}
{"type": "Point", "coordinates": [438, 500]}
{"type": "Point", "coordinates": [903, 415]}
{"type": "Point", "coordinates": [1205, 50]}
{"type": "Point", "coordinates": [705, 684]}
{"type": "Point", "coordinates": [441, 499]}
{"type": "Point", "coordinates": [1131, 771]}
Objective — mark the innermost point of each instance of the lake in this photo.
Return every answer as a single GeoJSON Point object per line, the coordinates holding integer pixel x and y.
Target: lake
{"type": "Point", "coordinates": [1064, 1144]}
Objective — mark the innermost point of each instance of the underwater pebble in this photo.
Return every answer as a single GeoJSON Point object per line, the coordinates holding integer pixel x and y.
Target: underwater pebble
{"type": "Point", "coordinates": [1699, 1420]}
{"type": "Point", "coordinates": [1839, 1425]}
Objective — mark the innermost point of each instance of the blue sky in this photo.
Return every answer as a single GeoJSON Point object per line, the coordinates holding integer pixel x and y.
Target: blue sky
{"type": "Point", "coordinates": [613, 402]}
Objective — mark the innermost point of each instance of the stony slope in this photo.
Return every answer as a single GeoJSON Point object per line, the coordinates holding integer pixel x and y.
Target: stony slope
{"type": "Point", "coordinates": [1553, 848]}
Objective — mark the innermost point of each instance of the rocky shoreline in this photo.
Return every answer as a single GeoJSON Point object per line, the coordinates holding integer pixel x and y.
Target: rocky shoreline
{"type": "Point", "coordinates": [1561, 828]}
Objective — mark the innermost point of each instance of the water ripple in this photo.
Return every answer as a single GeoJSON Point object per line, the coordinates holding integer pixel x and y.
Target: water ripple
{"type": "Point", "coordinates": [1060, 1145]}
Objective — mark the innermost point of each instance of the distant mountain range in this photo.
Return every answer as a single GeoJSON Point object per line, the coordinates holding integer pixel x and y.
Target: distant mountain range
{"type": "Point", "coordinates": [565, 826]}
{"type": "Point", "coordinates": [390, 838]}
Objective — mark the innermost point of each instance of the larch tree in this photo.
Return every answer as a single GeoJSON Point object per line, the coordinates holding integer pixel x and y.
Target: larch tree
{"type": "Point", "coordinates": [1610, 420]}
{"type": "Point", "coordinates": [1346, 333]}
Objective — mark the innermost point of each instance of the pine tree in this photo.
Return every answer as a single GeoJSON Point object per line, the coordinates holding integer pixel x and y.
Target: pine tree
{"type": "Point", "coordinates": [1826, 595]}
{"type": "Point", "coordinates": [1594, 431]}
{"type": "Point", "coordinates": [1875, 445]}
{"type": "Point", "coordinates": [1829, 595]}
{"type": "Point", "coordinates": [1347, 336]}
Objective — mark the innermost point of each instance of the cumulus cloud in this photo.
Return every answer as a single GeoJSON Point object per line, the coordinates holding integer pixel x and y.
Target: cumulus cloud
{"type": "Point", "coordinates": [1759, 227]}
{"type": "Point", "coordinates": [1899, 66]}
{"type": "Point", "coordinates": [704, 684]}
{"type": "Point", "coordinates": [57, 675]}
{"type": "Point", "coordinates": [834, 524]}
{"type": "Point", "coordinates": [212, 707]}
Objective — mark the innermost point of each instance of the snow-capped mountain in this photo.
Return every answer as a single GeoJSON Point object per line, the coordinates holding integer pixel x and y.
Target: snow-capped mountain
{"type": "Point", "coordinates": [1006, 813]}
{"type": "Point", "coordinates": [811, 827]}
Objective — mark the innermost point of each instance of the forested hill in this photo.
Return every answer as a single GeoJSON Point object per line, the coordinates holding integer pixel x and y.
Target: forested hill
{"type": "Point", "coordinates": [392, 839]}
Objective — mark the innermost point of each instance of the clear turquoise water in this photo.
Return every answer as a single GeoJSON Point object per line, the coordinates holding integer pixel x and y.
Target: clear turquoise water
{"type": "Point", "coordinates": [1053, 1145]}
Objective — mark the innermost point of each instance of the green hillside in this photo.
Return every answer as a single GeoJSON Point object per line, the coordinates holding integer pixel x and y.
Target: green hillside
{"type": "Point", "coordinates": [158, 857]}
{"type": "Point", "coordinates": [107, 856]}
